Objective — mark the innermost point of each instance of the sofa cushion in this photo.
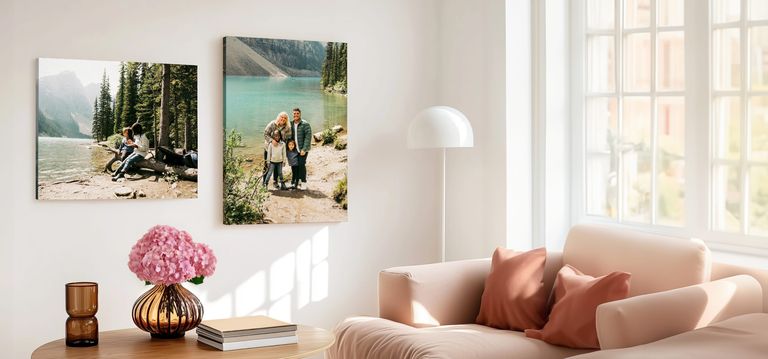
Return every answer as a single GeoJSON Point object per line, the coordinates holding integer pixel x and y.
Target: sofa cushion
{"type": "Point", "coordinates": [742, 337]}
{"type": "Point", "coordinates": [577, 296]}
{"type": "Point", "coordinates": [366, 337]}
{"type": "Point", "coordinates": [656, 262]}
{"type": "Point", "coordinates": [514, 296]}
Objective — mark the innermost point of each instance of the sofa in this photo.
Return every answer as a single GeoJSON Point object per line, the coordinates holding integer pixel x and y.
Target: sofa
{"type": "Point", "coordinates": [677, 294]}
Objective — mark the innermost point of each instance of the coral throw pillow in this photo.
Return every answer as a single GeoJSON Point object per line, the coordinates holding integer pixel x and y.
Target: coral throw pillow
{"type": "Point", "coordinates": [514, 296]}
{"type": "Point", "coordinates": [577, 295]}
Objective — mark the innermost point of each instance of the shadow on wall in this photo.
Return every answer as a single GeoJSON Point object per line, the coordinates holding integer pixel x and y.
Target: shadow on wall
{"type": "Point", "coordinates": [289, 284]}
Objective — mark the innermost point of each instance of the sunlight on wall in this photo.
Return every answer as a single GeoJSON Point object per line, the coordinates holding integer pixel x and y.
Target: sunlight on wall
{"type": "Point", "coordinates": [303, 274]}
{"type": "Point", "coordinates": [320, 265]}
{"type": "Point", "coordinates": [291, 282]}
{"type": "Point", "coordinates": [320, 281]}
{"type": "Point", "coordinates": [214, 309]}
{"type": "Point", "coordinates": [312, 269]}
{"type": "Point", "coordinates": [251, 295]}
{"type": "Point", "coordinates": [281, 276]}
{"type": "Point", "coordinates": [281, 309]}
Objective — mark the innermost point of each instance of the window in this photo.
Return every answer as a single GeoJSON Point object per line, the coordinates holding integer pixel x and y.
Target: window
{"type": "Point", "coordinates": [641, 68]}
{"type": "Point", "coordinates": [635, 111]}
{"type": "Point", "coordinates": [739, 116]}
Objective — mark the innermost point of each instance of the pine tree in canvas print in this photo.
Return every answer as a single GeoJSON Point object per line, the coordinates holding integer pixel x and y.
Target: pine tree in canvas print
{"type": "Point", "coordinates": [116, 130]}
{"type": "Point", "coordinates": [285, 125]}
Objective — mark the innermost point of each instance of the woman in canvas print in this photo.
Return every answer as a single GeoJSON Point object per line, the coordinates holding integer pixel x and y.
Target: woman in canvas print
{"type": "Point", "coordinates": [140, 145]}
{"type": "Point", "coordinates": [280, 125]}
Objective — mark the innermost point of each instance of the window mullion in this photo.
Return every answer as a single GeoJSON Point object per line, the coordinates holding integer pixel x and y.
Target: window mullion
{"type": "Point", "coordinates": [654, 119]}
{"type": "Point", "coordinates": [743, 168]}
{"type": "Point", "coordinates": [619, 70]}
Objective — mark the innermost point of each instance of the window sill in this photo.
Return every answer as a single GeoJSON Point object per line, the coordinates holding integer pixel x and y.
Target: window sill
{"type": "Point", "coordinates": [740, 259]}
{"type": "Point", "coordinates": [728, 248]}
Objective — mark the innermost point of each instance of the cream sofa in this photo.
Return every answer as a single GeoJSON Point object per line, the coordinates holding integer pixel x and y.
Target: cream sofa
{"type": "Point", "coordinates": [428, 311]}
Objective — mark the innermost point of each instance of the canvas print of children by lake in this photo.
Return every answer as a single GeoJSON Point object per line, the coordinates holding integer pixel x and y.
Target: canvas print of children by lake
{"type": "Point", "coordinates": [116, 130]}
{"type": "Point", "coordinates": [285, 122]}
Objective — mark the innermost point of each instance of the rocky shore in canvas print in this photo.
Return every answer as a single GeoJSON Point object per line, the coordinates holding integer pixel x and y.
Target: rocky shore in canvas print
{"type": "Point", "coordinates": [286, 131]}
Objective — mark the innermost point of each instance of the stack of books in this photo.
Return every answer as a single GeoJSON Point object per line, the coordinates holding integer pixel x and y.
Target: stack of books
{"type": "Point", "coordinates": [246, 333]}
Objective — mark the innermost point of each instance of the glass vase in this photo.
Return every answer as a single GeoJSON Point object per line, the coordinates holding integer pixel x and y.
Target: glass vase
{"type": "Point", "coordinates": [167, 311]}
{"type": "Point", "coordinates": [82, 302]}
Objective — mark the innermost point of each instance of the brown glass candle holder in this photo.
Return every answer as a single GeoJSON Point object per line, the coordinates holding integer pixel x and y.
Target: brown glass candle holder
{"type": "Point", "coordinates": [82, 303]}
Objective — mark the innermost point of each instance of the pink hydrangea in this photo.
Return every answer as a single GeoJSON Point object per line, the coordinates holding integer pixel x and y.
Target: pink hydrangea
{"type": "Point", "coordinates": [166, 255]}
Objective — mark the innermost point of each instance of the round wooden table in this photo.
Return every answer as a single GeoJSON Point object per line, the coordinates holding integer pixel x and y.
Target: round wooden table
{"type": "Point", "coordinates": [134, 343]}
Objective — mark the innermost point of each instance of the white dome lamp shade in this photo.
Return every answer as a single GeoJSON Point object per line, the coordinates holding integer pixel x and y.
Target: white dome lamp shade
{"type": "Point", "coordinates": [440, 127]}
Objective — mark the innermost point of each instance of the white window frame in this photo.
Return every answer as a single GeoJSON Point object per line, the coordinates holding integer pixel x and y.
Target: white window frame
{"type": "Point", "coordinates": [743, 164]}
{"type": "Point", "coordinates": [698, 93]}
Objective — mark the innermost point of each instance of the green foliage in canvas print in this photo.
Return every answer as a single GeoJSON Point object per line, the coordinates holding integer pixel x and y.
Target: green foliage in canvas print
{"type": "Point", "coordinates": [244, 196]}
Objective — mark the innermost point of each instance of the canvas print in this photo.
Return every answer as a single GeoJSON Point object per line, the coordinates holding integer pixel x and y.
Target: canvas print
{"type": "Point", "coordinates": [116, 130]}
{"type": "Point", "coordinates": [285, 122]}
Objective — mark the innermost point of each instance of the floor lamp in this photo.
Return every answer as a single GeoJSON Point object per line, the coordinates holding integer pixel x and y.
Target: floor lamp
{"type": "Point", "coordinates": [440, 127]}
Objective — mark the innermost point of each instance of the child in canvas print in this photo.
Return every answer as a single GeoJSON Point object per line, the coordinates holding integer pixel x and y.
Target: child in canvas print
{"type": "Point", "coordinates": [276, 156]}
{"type": "Point", "coordinates": [125, 148]}
{"type": "Point", "coordinates": [293, 160]}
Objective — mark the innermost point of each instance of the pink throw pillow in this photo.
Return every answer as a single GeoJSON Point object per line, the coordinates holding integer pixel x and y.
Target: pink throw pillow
{"type": "Point", "coordinates": [514, 296]}
{"type": "Point", "coordinates": [577, 295]}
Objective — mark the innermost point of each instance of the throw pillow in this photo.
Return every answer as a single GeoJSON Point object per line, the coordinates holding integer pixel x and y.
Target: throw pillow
{"type": "Point", "coordinates": [577, 295]}
{"type": "Point", "coordinates": [514, 296]}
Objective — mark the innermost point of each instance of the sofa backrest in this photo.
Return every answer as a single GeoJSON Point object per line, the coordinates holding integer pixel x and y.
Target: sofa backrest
{"type": "Point", "coordinates": [656, 262]}
{"type": "Point", "coordinates": [442, 293]}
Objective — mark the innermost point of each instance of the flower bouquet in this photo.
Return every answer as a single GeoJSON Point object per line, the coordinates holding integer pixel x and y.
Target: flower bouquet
{"type": "Point", "coordinates": [167, 257]}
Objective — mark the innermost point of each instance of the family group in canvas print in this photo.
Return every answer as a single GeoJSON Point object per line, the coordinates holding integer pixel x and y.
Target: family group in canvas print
{"type": "Point", "coordinates": [109, 129]}
{"type": "Point", "coordinates": [285, 156]}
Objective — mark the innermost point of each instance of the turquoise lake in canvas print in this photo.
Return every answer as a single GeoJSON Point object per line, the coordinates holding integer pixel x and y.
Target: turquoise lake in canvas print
{"type": "Point", "coordinates": [253, 101]}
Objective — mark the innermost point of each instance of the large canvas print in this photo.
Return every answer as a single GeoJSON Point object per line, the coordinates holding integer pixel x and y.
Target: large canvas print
{"type": "Point", "coordinates": [285, 121]}
{"type": "Point", "coordinates": [116, 130]}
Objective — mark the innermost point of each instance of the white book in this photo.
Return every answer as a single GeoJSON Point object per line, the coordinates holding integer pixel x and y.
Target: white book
{"type": "Point", "coordinates": [248, 344]}
{"type": "Point", "coordinates": [210, 336]}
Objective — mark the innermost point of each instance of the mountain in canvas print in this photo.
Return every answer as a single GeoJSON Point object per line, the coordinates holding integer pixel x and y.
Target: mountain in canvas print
{"type": "Point", "coordinates": [285, 121]}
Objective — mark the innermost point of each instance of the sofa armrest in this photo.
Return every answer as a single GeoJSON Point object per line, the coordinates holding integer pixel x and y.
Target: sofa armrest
{"type": "Point", "coordinates": [651, 317]}
{"type": "Point", "coordinates": [433, 294]}
{"type": "Point", "coordinates": [723, 270]}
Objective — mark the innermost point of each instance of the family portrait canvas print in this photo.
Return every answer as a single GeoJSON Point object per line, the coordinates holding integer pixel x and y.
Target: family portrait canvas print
{"type": "Point", "coordinates": [285, 126]}
{"type": "Point", "coordinates": [116, 130]}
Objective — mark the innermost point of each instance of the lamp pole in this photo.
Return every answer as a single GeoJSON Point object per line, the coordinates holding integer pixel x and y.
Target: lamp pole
{"type": "Point", "coordinates": [442, 217]}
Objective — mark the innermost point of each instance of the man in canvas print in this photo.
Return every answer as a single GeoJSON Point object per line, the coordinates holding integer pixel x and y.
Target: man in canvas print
{"type": "Point", "coordinates": [116, 130]}
{"type": "Point", "coordinates": [283, 100]}
{"type": "Point", "coordinates": [303, 137]}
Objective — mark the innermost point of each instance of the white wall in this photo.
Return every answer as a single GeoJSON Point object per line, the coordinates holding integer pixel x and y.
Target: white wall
{"type": "Point", "coordinates": [553, 153]}
{"type": "Point", "coordinates": [472, 61]}
{"type": "Point", "coordinates": [314, 274]}
{"type": "Point", "coordinates": [6, 212]}
{"type": "Point", "coordinates": [519, 133]}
